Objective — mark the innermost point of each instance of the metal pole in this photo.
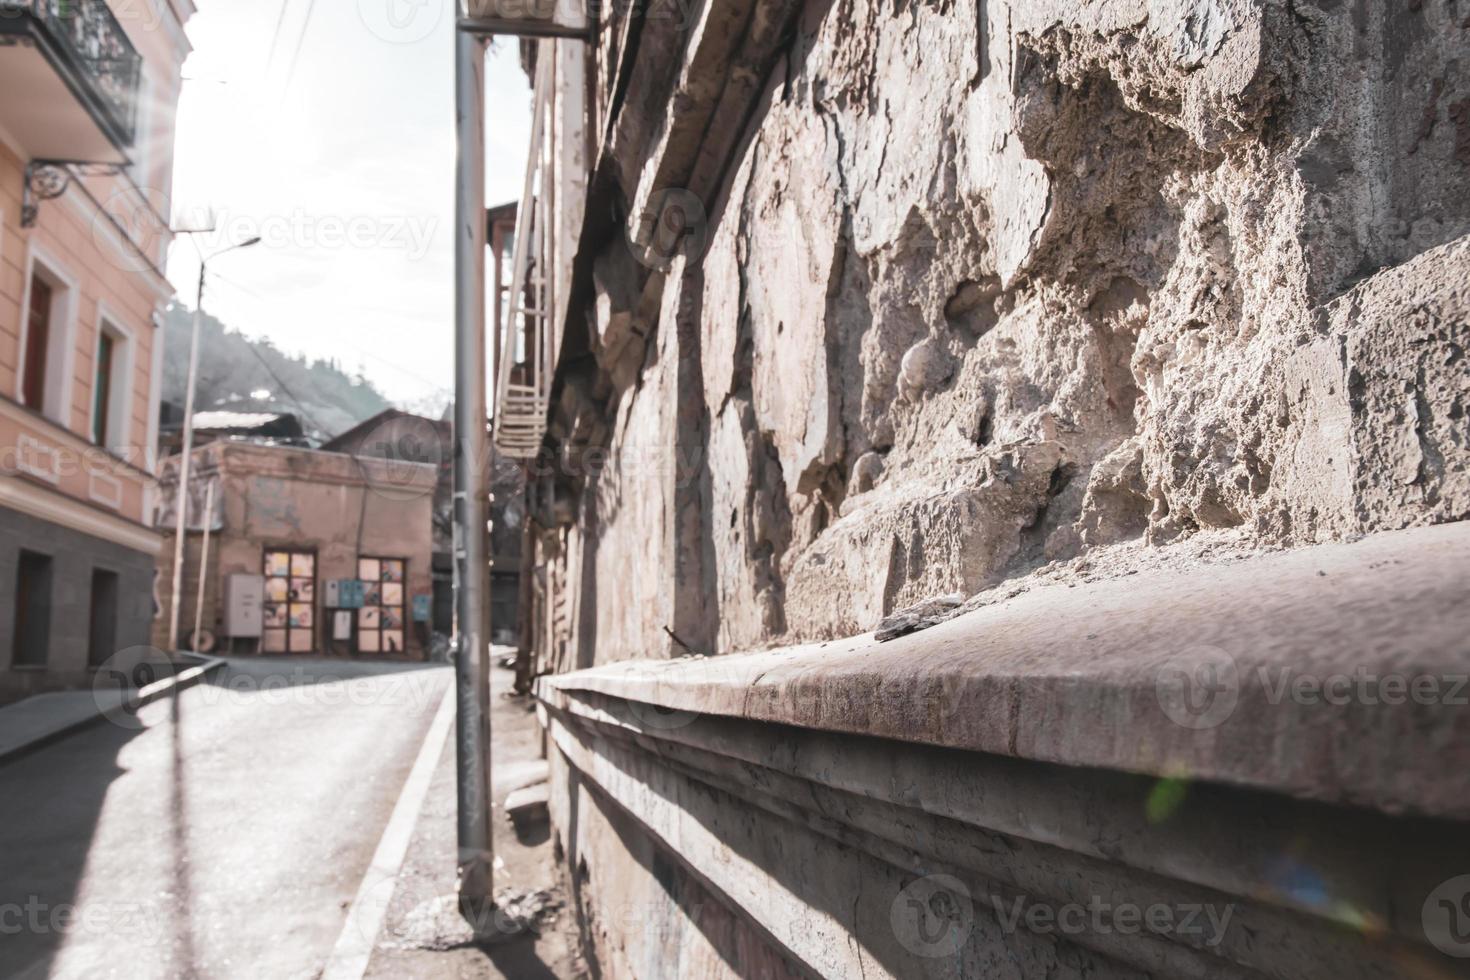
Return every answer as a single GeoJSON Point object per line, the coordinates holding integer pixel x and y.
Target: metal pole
{"type": "Point", "coordinates": [203, 566]}
{"type": "Point", "coordinates": [181, 494]}
{"type": "Point", "coordinates": [471, 555]}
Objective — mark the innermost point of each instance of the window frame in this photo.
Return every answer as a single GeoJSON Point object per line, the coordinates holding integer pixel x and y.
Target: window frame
{"type": "Point", "coordinates": [402, 606]}
{"type": "Point", "coordinates": [120, 394]}
{"type": "Point", "coordinates": [61, 336]}
{"type": "Point", "coordinates": [266, 550]}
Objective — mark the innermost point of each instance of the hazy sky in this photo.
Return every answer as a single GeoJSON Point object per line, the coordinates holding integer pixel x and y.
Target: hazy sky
{"type": "Point", "coordinates": [345, 165]}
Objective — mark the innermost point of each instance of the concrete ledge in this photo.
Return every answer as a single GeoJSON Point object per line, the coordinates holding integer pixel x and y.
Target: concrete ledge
{"type": "Point", "coordinates": [43, 719]}
{"type": "Point", "coordinates": [1335, 673]}
{"type": "Point", "coordinates": [1314, 890]}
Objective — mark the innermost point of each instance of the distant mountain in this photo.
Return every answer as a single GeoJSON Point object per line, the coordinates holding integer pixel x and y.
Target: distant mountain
{"type": "Point", "coordinates": [239, 374]}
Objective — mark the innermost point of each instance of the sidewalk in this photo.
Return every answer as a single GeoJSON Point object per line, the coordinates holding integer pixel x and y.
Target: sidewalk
{"type": "Point", "coordinates": [41, 719]}
{"type": "Point", "coordinates": [423, 934]}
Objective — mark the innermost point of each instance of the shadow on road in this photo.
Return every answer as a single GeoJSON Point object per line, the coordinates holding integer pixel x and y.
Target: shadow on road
{"type": "Point", "coordinates": [182, 952]}
{"type": "Point", "coordinates": [50, 802]}
{"type": "Point", "coordinates": [60, 833]}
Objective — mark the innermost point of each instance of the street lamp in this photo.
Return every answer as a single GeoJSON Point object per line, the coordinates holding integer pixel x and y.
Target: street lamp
{"type": "Point", "coordinates": [471, 496]}
{"type": "Point", "coordinates": [181, 494]}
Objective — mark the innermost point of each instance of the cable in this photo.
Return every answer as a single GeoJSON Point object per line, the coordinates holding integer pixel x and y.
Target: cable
{"type": "Point", "coordinates": [147, 259]}
{"type": "Point", "coordinates": [288, 392]}
{"type": "Point", "coordinates": [276, 35]}
{"type": "Point", "coordinates": [241, 290]}
{"type": "Point", "coordinates": [362, 466]}
{"type": "Point", "coordinates": [431, 385]}
{"type": "Point", "coordinates": [296, 55]}
{"type": "Point", "coordinates": [247, 290]}
{"type": "Point", "coordinates": [356, 458]}
{"type": "Point", "coordinates": [283, 386]}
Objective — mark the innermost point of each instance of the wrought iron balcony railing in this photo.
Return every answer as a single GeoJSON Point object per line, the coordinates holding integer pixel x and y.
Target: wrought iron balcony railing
{"type": "Point", "coordinates": [86, 36]}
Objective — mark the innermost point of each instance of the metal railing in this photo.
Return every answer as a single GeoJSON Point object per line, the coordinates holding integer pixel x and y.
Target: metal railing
{"type": "Point", "coordinates": [89, 37]}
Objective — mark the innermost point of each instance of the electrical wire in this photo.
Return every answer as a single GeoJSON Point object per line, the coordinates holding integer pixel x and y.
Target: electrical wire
{"type": "Point", "coordinates": [276, 35]}
{"type": "Point", "coordinates": [296, 55]}
{"type": "Point", "coordinates": [433, 386]}
{"type": "Point", "coordinates": [247, 290]}
{"type": "Point", "coordinates": [286, 390]}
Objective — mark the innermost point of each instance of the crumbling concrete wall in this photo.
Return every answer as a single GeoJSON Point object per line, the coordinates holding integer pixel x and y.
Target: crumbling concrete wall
{"type": "Point", "coordinates": [976, 288]}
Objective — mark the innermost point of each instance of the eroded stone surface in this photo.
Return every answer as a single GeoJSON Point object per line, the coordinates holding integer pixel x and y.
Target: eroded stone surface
{"type": "Point", "coordinates": [991, 287]}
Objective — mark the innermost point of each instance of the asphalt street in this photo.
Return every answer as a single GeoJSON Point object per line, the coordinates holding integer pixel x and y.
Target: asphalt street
{"type": "Point", "coordinates": [220, 834]}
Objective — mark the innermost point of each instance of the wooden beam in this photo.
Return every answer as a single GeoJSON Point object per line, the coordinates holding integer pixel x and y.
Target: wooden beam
{"type": "Point", "coordinates": [536, 27]}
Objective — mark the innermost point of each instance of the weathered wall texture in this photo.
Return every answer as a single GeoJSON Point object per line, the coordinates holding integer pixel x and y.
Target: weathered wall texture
{"type": "Point", "coordinates": [877, 302]}
{"type": "Point", "coordinates": [977, 289]}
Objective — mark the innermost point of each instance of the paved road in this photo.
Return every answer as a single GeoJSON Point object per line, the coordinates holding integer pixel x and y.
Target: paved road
{"type": "Point", "coordinates": [224, 841]}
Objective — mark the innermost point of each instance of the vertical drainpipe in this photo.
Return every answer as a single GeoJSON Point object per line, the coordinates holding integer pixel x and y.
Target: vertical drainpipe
{"type": "Point", "coordinates": [471, 464]}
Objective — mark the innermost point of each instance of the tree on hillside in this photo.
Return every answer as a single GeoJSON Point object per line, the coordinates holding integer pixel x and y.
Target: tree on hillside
{"type": "Point", "coordinates": [238, 374]}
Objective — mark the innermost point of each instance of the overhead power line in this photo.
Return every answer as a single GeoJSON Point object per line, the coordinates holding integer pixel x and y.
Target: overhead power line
{"type": "Point", "coordinates": [270, 57]}
{"type": "Point", "coordinates": [287, 391]}
{"type": "Point", "coordinates": [300, 40]}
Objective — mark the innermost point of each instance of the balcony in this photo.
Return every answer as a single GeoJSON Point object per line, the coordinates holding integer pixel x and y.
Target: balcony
{"type": "Point", "coordinates": [68, 80]}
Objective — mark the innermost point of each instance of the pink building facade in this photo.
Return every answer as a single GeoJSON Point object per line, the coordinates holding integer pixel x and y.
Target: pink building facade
{"type": "Point", "coordinates": [88, 93]}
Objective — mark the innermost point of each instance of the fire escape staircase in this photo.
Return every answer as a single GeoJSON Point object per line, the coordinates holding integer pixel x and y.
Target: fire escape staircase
{"type": "Point", "coordinates": [523, 374]}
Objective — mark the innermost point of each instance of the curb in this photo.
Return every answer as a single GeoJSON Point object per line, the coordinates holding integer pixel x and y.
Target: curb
{"type": "Point", "coordinates": [181, 681]}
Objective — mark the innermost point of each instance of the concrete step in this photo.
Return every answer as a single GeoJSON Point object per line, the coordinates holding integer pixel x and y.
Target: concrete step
{"type": "Point", "coordinates": [528, 804]}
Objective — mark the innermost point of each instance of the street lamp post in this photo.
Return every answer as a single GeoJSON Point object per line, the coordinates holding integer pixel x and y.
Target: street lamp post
{"type": "Point", "coordinates": [181, 493]}
{"type": "Point", "coordinates": [471, 551]}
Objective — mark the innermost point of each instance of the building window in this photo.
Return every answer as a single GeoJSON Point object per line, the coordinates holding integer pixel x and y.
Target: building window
{"type": "Point", "coordinates": [102, 387]}
{"type": "Point", "coordinates": [290, 602]}
{"type": "Point", "coordinates": [48, 332]}
{"type": "Point", "coordinates": [110, 390]}
{"type": "Point", "coordinates": [102, 632]}
{"type": "Point", "coordinates": [38, 344]}
{"type": "Point", "coordinates": [380, 620]}
{"type": "Point", "coordinates": [32, 610]}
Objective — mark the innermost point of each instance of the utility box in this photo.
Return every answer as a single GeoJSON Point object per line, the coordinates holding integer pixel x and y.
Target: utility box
{"type": "Point", "coordinates": [244, 594]}
{"type": "Point", "coordinates": [350, 593]}
{"type": "Point", "coordinates": [332, 595]}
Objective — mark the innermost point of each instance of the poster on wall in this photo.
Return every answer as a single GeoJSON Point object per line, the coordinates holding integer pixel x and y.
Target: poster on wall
{"type": "Point", "coordinates": [166, 513]}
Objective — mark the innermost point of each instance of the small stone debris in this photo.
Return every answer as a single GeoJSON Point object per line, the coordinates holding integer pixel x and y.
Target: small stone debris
{"type": "Point", "coordinates": [526, 910]}
{"type": "Point", "coordinates": [919, 616]}
{"type": "Point", "coordinates": [439, 924]}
